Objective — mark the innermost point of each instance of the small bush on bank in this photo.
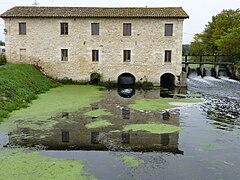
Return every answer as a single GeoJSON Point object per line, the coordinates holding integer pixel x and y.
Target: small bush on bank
{"type": "Point", "coordinates": [3, 59]}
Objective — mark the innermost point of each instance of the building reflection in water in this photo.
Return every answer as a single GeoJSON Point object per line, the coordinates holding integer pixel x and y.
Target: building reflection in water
{"type": "Point", "coordinates": [72, 133]}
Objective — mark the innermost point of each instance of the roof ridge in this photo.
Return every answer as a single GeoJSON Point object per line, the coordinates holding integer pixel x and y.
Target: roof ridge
{"type": "Point", "coordinates": [64, 11]}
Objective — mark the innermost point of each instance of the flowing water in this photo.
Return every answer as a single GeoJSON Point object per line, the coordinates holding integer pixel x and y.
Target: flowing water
{"type": "Point", "coordinates": [206, 147]}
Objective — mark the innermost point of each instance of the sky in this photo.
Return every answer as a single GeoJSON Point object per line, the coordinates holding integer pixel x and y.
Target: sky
{"type": "Point", "coordinates": [199, 11]}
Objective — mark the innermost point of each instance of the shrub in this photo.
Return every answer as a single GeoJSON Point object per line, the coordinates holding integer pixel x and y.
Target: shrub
{"type": "Point", "coordinates": [3, 59]}
{"type": "Point", "coordinates": [95, 78]}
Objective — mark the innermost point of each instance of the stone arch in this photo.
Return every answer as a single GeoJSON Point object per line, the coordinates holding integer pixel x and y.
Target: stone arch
{"type": "Point", "coordinates": [126, 79]}
{"type": "Point", "coordinates": [167, 79]}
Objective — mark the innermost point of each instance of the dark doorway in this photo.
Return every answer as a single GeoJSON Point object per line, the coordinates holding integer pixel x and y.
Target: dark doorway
{"type": "Point", "coordinates": [167, 79]}
{"type": "Point", "coordinates": [126, 79]}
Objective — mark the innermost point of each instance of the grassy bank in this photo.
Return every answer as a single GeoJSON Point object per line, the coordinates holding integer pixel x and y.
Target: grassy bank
{"type": "Point", "coordinates": [19, 84]}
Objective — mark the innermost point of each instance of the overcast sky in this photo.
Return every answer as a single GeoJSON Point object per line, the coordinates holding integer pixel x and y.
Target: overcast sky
{"type": "Point", "coordinates": [200, 11]}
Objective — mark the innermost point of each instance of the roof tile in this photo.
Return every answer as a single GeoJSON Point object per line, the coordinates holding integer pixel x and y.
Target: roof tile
{"type": "Point", "coordinates": [93, 12]}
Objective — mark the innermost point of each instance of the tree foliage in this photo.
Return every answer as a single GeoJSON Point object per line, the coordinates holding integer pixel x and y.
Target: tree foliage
{"type": "Point", "coordinates": [220, 36]}
{"type": "Point", "coordinates": [2, 43]}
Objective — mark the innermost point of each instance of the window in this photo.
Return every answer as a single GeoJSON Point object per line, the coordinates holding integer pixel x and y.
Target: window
{"type": "Point", "coordinates": [65, 136]}
{"type": "Point", "coordinates": [166, 116]}
{"type": "Point", "coordinates": [165, 139]}
{"type": "Point", "coordinates": [168, 56]}
{"type": "Point", "coordinates": [125, 113]}
{"type": "Point", "coordinates": [95, 56]}
{"type": "Point", "coordinates": [64, 54]}
{"type": "Point", "coordinates": [126, 55]}
{"type": "Point", "coordinates": [127, 29]}
{"type": "Point", "coordinates": [22, 29]}
{"type": "Point", "coordinates": [95, 106]}
{"type": "Point", "coordinates": [23, 56]}
{"type": "Point", "coordinates": [168, 29]}
{"type": "Point", "coordinates": [64, 28]}
{"type": "Point", "coordinates": [95, 137]}
{"type": "Point", "coordinates": [95, 28]}
{"type": "Point", "coordinates": [125, 137]}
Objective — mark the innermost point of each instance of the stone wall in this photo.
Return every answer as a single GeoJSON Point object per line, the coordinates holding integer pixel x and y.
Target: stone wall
{"type": "Point", "coordinates": [43, 43]}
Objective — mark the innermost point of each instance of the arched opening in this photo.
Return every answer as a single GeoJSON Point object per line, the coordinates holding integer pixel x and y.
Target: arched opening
{"type": "Point", "coordinates": [126, 79]}
{"type": "Point", "coordinates": [167, 79]}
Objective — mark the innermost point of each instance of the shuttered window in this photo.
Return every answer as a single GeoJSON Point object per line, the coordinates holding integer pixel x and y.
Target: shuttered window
{"type": "Point", "coordinates": [22, 28]}
{"type": "Point", "coordinates": [168, 29]}
{"type": "Point", "coordinates": [127, 29]}
{"type": "Point", "coordinates": [64, 28]}
{"type": "Point", "coordinates": [168, 56]}
{"type": "Point", "coordinates": [95, 55]}
{"type": "Point", "coordinates": [95, 28]}
{"type": "Point", "coordinates": [64, 54]}
{"type": "Point", "coordinates": [126, 55]}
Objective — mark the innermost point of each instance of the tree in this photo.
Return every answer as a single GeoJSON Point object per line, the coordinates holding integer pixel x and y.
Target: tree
{"type": "Point", "coordinates": [197, 46]}
{"type": "Point", "coordinates": [230, 42]}
{"type": "Point", "coordinates": [2, 43]}
{"type": "Point", "coordinates": [228, 21]}
{"type": "Point", "coordinates": [185, 49]}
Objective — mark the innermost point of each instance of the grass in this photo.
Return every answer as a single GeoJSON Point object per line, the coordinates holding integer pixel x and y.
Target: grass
{"type": "Point", "coordinates": [20, 164]}
{"type": "Point", "coordinates": [19, 84]}
{"type": "Point", "coordinates": [131, 161]}
{"type": "Point", "coordinates": [98, 123]}
{"type": "Point", "coordinates": [155, 128]}
{"type": "Point", "coordinates": [97, 113]}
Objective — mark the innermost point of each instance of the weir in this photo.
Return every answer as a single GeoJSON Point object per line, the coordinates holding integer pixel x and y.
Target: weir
{"type": "Point", "coordinates": [216, 61]}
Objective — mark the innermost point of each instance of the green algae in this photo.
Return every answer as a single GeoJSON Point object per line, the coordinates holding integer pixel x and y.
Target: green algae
{"type": "Point", "coordinates": [188, 95]}
{"type": "Point", "coordinates": [150, 105]}
{"type": "Point", "coordinates": [160, 104]}
{"type": "Point", "coordinates": [131, 161]}
{"type": "Point", "coordinates": [97, 113]}
{"type": "Point", "coordinates": [68, 98]}
{"type": "Point", "coordinates": [184, 100]}
{"type": "Point", "coordinates": [20, 164]}
{"type": "Point", "coordinates": [98, 123]}
{"type": "Point", "coordinates": [115, 131]}
{"type": "Point", "coordinates": [209, 146]}
{"type": "Point", "coordinates": [154, 128]}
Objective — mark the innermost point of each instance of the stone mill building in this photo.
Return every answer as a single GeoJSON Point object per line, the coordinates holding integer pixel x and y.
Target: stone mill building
{"type": "Point", "coordinates": [74, 42]}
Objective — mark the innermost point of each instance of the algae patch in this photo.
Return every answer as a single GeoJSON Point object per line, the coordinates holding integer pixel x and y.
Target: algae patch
{"type": "Point", "coordinates": [20, 164]}
{"type": "Point", "coordinates": [151, 105]}
{"type": "Point", "coordinates": [98, 123]}
{"type": "Point", "coordinates": [184, 100]}
{"type": "Point", "coordinates": [68, 98]}
{"type": "Point", "coordinates": [131, 161]}
{"type": "Point", "coordinates": [207, 146]}
{"type": "Point", "coordinates": [97, 113]}
{"type": "Point", "coordinates": [160, 104]}
{"type": "Point", "coordinates": [154, 128]}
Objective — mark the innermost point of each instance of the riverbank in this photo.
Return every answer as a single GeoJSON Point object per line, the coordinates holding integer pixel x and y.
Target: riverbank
{"type": "Point", "coordinates": [19, 85]}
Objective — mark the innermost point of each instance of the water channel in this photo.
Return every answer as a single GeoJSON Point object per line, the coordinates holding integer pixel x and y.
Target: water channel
{"type": "Point", "coordinates": [206, 147]}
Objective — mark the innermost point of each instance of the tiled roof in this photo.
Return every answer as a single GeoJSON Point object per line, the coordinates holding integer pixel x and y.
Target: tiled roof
{"type": "Point", "coordinates": [94, 12]}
